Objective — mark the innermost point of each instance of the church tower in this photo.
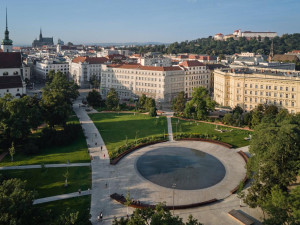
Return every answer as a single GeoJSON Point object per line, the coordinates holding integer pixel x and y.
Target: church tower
{"type": "Point", "coordinates": [6, 44]}
{"type": "Point", "coordinates": [41, 36]}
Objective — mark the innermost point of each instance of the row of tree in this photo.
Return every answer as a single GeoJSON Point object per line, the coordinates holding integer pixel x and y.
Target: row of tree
{"type": "Point", "coordinates": [283, 44]}
{"type": "Point", "coordinates": [112, 102]}
{"type": "Point", "coordinates": [197, 108]}
{"type": "Point", "coordinates": [261, 114]}
{"type": "Point", "coordinates": [18, 117]}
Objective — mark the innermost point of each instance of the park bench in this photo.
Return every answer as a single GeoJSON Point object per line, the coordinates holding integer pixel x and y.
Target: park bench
{"type": "Point", "coordinates": [240, 217]}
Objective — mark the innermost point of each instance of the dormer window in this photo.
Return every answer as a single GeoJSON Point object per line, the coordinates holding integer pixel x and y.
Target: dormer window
{"type": "Point", "coordinates": [16, 73]}
{"type": "Point", "coordinates": [5, 73]}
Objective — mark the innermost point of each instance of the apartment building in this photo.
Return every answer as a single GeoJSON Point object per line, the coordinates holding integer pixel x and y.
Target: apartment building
{"type": "Point", "coordinates": [132, 80]}
{"type": "Point", "coordinates": [83, 68]}
{"type": "Point", "coordinates": [44, 67]}
{"type": "Point", "coordinates": [196, 74]}
{"type": "Point", "coordinates": [248, 88]}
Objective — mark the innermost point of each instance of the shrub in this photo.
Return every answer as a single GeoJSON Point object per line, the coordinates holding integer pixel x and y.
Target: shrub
{"type": "Point", "coordinates": [31, 148]}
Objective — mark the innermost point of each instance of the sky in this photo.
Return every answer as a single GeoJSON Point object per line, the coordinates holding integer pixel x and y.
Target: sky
{"type": "Point", "coordinates": [167, 21]}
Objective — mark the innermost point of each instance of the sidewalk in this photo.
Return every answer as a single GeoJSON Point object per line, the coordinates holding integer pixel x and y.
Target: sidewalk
{"type": "Point", "coordinates": [46, 165]}
{"type": "Point", "coordinates": [100, 164]}
{"type": "Point", "coordinates": [61, 197]}
{"type": "Point", "coordinates": [170, 132]}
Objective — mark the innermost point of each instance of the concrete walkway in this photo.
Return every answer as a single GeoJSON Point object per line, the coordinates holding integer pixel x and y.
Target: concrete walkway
{"type": "Point", "coordinates": [61, 197]}
{"type": "Point", "coordinates": [46, 165]}
{"type": "Point", "coordinates": [170, 132]}
{"type": "Point", "coordinates": [100, 164]}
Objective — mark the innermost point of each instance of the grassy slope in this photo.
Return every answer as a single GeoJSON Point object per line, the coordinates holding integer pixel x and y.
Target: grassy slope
{"type": "Point", "coordinates": [74, 152]}
{"type": "Point", "coordinates": [50, 181]}
{"type": "Point", "coordinates": [235, 137]}
{"type": "Point", "coordinates": [114, 127]}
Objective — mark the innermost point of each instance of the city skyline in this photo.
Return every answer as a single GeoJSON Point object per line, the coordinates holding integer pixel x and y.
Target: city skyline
{"type": "Point", "coordinates": [143, 21]}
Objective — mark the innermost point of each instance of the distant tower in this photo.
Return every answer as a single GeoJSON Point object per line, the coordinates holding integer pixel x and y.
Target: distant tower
{"type": "Point", "coordinates": [271, 55]}
{"type": "Point", "coordinates": [41, 36]}
{"type": "Point", "coordinates": [6, 44]}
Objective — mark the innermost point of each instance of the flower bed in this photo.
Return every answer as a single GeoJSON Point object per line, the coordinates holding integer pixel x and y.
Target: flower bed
{"type": "Point", "coordinates": [132, 146]}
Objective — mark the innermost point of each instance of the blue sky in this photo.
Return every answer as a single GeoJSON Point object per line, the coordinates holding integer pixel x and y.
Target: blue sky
{"type": "Point", "coordinates": [95, 21]}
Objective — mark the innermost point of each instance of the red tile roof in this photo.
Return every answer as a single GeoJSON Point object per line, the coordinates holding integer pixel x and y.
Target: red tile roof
{"type": "Point", "coordinates": [191, 63]}
{"type": "Point", "coordinates": [140, 67]}
{"type": "Point", "coordinates": [90, 60]}
{"type": "Point", "coordinates": [7, 82]}
{"type": "Point", "coordinates": [10, 60]}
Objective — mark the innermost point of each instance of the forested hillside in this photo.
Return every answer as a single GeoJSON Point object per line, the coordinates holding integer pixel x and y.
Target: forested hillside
{"type": "Point", "coordinates": [283, 44]}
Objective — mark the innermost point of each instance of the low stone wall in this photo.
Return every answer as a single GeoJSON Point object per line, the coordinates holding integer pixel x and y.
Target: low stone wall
{"type": "Point", "coordinates": [137, 204]}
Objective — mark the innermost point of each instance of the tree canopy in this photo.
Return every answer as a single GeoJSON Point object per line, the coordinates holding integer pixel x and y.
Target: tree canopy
{"type": "Point", "coordinates": [200, 104]}
{"type": "Point", "coordinates": [57, 98]}
{"type": "Point", "coordinates": [274, 165]}
{"type": "Point", "coordinates": [112, 99]}
{"type": "Point", "coordinates": [178, 103]}
{"type": "Point", "coordinates": [94, 98]}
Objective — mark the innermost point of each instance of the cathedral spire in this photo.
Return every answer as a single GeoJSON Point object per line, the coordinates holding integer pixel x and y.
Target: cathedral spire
{"type": "Point", "coordinates": [6, 44]}
{"type": "Point", "coordinates": [41, 36]}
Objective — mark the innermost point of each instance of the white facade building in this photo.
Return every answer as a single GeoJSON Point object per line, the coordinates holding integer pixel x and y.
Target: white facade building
{"type": "Point", "coordinates": [132, 80]}
{"type": "Point", "coordinates": [83, 68]}
{"type": "Point", "coordinates": [44, 67]}
{"type": "Point", "coordinates": [155, 61]}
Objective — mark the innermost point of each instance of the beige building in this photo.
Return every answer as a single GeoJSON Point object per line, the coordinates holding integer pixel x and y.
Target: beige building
{"type": "Point", "coordinates": [196, 75]}
{"type": "Point", "coordinates": [248, 88]}
{"type": "Point", "coordinates": [133, 80]}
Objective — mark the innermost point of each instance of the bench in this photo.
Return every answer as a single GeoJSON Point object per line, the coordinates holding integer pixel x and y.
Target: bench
{"type": "Point", "coordinates": [240, 217]}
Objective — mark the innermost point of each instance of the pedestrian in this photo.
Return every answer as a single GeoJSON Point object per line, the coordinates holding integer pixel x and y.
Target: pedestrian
{"type": "Point", "coordinates": [98, 217]}
{"type": "Point", "coordinates": [101, 215]}
{"type": "Point", "coordinates": [79, 191]}
{"type": "Point", "coordinates": [106, 185]}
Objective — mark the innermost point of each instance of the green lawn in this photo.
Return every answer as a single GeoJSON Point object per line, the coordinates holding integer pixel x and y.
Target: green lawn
{"type": "Point", "coordinates": [74, 152]}
{"type": "Point", "coordinates": [234, 138]}
{"type": "Point", "coordinates": [114, 127]}
{"type": "Point", "coordinates": [81, 204]}
{"type": "Point", "coordinates": [50, 181]}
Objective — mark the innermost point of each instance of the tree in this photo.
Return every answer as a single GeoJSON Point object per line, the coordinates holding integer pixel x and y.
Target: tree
{"type": "Point", "coordinates": [95, 81]}
{"type": "Point", "coordinates": [274, 162]}
{"type": "Point", "coordinates": [112, 99]}
{"type": "Point", "coordinates": [16, 203]}
{"type": "Point", "coordinates": [57, 98]}
{"type": "Point", "coordinates": [18, 117]}
{"type": "Point", "coordinates": [228, 119]}
{"type": "Point", "coordinates": [159, 215]}
{"type": "Point", "coordinates": [150, 103]}
{"type": "Point", "coordinates": [12, 151]}
{"type": "Point", "coordinates": [142, 101]}
{"type": "Point", "coordinates": [66, 176]}
{"type": "Point", "coordinates": [94, 98]}
{"type": "Point", "coordinates": [152, 112]}
{"type": "Point", "coordinates": [200, 104]}
{"type": "Point", "coordinates": [178, 103]}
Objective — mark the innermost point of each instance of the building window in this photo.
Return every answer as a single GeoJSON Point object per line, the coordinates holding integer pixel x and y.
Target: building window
{"type": "Point", "coordinates": [256, 86]}
{"type": "Point", "coordinates": [293, 103]}
{"type": "Point", "coordinates": [261, 86]}
{"type": "Point", "coordinates": [275, 87]}
{"type": "Point", "coordinates": [286, 88]}
{"type": "Point", "coordinates": [281, 88]}
{"type": "Point", "coordinates": [286, 95]}
{"type": "Point", "coordinates": [18, 89]}
{"type": "Point", "coordinates": [250, 85]}
{"type": "Point", "coordinates": [246, 85]}
{"type": "Point", "coordinates": [7, 90]}
{"type": "Point", "coordinates": [293, 96]}
{"type": "Point", "coordinates": [293, 89]}
{"type": "Point", "coordinates": [5, 73]}
{"type": "Point", "coordinates": [245, 99]}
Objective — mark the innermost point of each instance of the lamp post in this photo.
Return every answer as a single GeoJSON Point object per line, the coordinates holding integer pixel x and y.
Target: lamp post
{"type": "Point", "coordinates": [173, 186]}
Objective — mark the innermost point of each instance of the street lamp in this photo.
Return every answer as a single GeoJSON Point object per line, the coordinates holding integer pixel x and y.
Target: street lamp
{"type": "Point", "coordinates": [173, 186]}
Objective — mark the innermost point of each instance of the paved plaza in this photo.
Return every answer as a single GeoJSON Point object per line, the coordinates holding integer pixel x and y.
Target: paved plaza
{"type": "Point", "coordinates": [124, 177]}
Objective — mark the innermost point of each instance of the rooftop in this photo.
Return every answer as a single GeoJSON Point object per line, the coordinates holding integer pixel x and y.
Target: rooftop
{"type": "Point", "coordinates": [10, 60]}
{"type": "Point", "coordinates": [7, 82]}
{"type": "Point", "coordinates": [140, 67]}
